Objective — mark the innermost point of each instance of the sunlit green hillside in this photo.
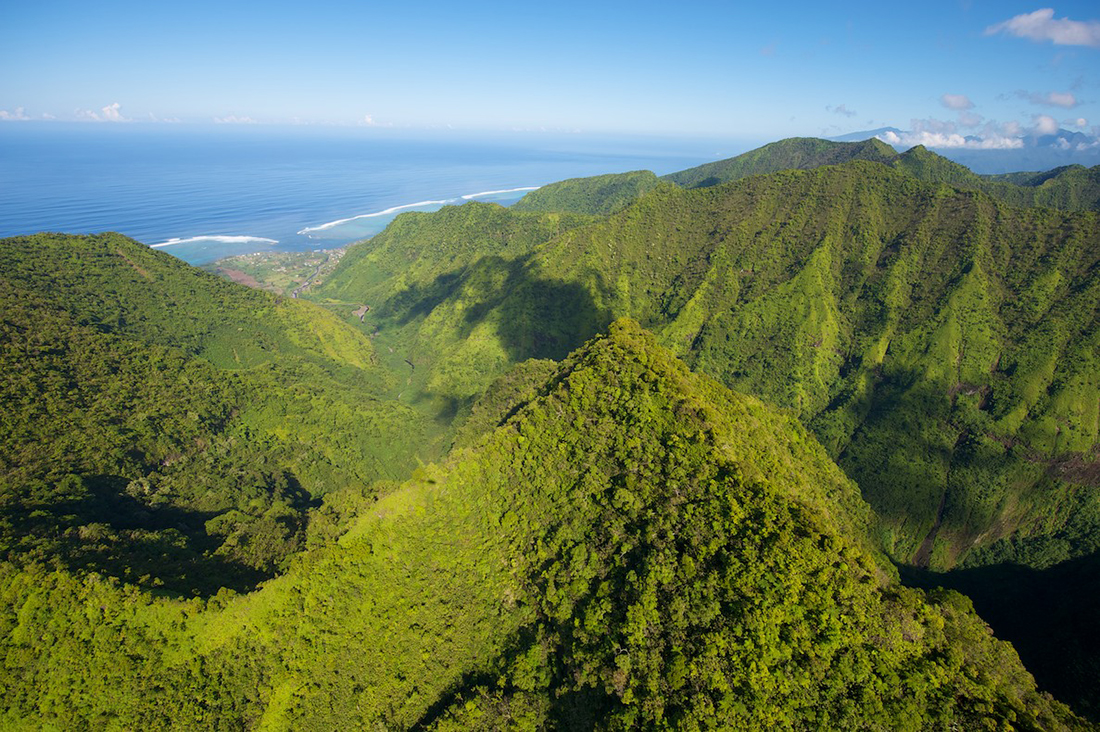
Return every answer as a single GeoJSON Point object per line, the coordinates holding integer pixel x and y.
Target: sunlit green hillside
{"type": "Point", "coordinates": [632, 454]}
{"type": "Point", "coordinates": [633, 547]}
{"type": "Point", "coordinates": [1072, 188]}
{"type": "Point", "coordinates": [940, 344]}
{"type": "Point", "coordinates": [601, 194]}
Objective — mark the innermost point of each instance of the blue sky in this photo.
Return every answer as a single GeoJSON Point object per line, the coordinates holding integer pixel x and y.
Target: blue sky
{"type": "Point", "coordinates": [990, 70]}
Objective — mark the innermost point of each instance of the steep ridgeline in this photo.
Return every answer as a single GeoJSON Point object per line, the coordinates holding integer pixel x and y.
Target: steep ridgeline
{"type": "Point", "coordinates": [169, 428]}
{"type": "Point", "coordinates": [599, 195]}
{"type": "Point", "coordinates": [940, 344]}
{"type": "Point", "coordinates": [795, 153]}
{"type": "Point", "coordinates": [1072, 188]}
{"type": "Point", "coordinates": [633, 547]}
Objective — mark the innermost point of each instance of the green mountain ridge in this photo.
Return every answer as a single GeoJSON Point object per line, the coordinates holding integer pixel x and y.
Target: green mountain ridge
{"type": "Point", "coordinates": [634, 546]}
{"type": "Point", "coordinates": [796, 153]}
{"type": "Point", "coordinates": [1070, 188]}
{"type": "Point", "coordinates": [599, 195]}
{"type": "Point", "coordinates": [597, 532]}
{"type": "Point", "coordinates": [853, 294]}
{"type": "Point", "coordinates": [942, 345]}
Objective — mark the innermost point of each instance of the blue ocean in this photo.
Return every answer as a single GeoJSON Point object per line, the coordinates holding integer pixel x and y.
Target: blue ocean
{"type": "Point", "coordinates": [206, 193]}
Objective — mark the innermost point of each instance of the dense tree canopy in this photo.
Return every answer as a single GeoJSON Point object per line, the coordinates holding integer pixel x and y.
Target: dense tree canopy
{"type": "Point", "coordinates": [634, 546]}
{"type": "Point", "coordinates": [460, 490]}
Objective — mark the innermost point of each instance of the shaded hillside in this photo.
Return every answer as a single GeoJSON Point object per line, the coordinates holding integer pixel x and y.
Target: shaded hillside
{"type": "Point", "coordinates": [471, 253]}
{"type": "Point", "coordinates": [634, 546]}
{"type": "Point", "coordinates": [171, 429]}
{"type": "Point", "coordinates": [117, 285]}
{"type": "Point", "coordinates": [418, 247]}
{"type": "Point", "coordinates": [1048, 615]}
{"type": "Point", "coordinates": [940, 344]}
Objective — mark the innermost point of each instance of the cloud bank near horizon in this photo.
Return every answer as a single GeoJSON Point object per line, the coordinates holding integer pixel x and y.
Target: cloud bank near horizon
{"type": "Point", "coordinates": [935, 133]}
{"type": "Point", "coordinates": [110, 113]}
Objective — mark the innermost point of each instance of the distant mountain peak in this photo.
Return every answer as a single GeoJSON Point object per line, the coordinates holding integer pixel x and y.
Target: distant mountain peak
{"type": "Point", "coordinates": [864, 134]}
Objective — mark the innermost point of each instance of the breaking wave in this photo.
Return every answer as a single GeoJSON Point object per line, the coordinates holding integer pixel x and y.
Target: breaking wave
{"type": "Point", "coordinates": [220, 239]}
{"type": "Point", "coordinates": [419, 204]}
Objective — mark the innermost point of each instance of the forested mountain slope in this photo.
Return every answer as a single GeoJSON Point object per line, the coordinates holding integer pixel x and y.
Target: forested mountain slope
{"type": "Point", "coordinates": [169, 428]}
{"type": "Point", "coordinates": [600, 195]}
{"type": "Point", "coordinates": [613, 541]}
{"type": "Point", "coordinates": [419, 247]}
{"type": "Point", "coordinates": [633, 546]}
{"type": "Point", "coordinates": [940, 344]}
{"type": "Point", "coordinates": [453, 255]}
{"type": "Point", "coordinates": [795, 153]}
{"type": "Point", "coordinates": [1072, 188]}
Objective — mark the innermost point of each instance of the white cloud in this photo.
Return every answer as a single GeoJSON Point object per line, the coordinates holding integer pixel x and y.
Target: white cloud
{"type": "Point", "coordinates": [18, 115]}
{"type": "Point", "coordinates": [1000, 136]}
{"type": "Point", "coordinates": [946, 140]}
{"type": "Point", "coordinates": [1051, 99]}
{"type": "Point", "coordinates": [370, 121]}
{"type": "Point", "coordinates": [1079, 122]}
{"type": "Point", "coordinates": [234, 120]}
{"type": "Point", "coordinates": [956, 101]}
{"type": "Point", "coordinates": [110, 113]}
{"type": "Point", "coordinates": [841, 109]}
{"type": "Point", "coordinates": [928, 139]}
{"type": "Point", "coordinates": [1044, 124]}
{"type": "Point", "coordinates": [937, 133]}
{"type": "Point", "coordinates": [1064, 144]}
{"type": "Point", "coordinates": [1043, 26]}
{"type": "Point", "coordinates": [1061, 99]}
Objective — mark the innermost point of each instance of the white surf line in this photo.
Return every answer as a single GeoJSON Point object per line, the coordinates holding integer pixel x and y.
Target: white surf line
{"type": "Point", "coordinates": [392, 209]}
{"type": "Point", "coordinates": [418, 204]}
{"type": "Point", "coordinates": [221, 239]}
{"type": "Point", "coordinates": [505, 190]}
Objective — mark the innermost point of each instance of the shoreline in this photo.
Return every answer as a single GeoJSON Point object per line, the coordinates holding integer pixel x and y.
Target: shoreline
{"type": "Point", "coordinates": [318, 243]}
